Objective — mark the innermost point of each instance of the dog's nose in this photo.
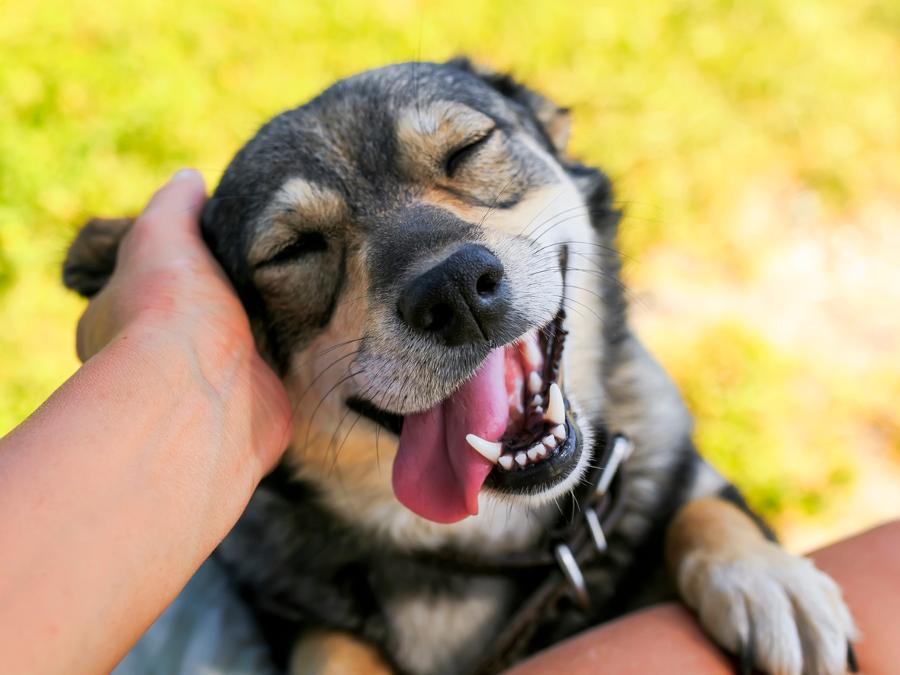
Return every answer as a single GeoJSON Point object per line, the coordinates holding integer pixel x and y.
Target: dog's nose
{"type": "Point", "coordinates": [462, 300]}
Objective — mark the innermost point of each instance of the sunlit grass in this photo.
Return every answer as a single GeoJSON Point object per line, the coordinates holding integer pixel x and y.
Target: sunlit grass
{"type": "Point", "coordinates": [684, 103]}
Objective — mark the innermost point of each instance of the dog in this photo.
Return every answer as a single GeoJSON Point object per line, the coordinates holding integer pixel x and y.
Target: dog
{"type": "Point", "coordinates": [437, 283]}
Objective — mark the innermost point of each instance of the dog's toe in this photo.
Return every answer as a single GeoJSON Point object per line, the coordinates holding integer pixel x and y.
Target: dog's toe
{"type": "Point", "coordinates": [773, 608]}
{"type": "Point", "coordinates": [852, 663]}
{"type": "Point", "coordinates": [823, 619]}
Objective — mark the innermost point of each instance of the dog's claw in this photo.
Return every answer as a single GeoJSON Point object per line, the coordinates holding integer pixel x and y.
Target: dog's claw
{"type": "Point", "coordinates": [852, 663]}
{"type": "Point", "coordinates": [746, 659]}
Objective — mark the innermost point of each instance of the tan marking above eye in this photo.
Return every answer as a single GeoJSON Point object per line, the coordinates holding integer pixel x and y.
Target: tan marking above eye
{"type": "Point", "coordinates": [298, 205]}
{"type": "Point", "coordinates": [426, 134]}
{"type": "Point", "coordinates": [453, 203]}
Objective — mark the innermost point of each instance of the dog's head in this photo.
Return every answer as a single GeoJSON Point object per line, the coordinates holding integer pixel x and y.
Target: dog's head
{"type": "Point", "coordinates": [420, 262]}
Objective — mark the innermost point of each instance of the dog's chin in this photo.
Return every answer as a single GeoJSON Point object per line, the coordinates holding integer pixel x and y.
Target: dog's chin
{"type": "Point", "coordinates": [545, 449]}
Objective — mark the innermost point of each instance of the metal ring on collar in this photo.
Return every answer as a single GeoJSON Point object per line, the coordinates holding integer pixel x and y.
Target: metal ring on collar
{"type": "Point", "coordinates": [572, 572]}
{"type": "Point", "coordinates": [622, 448]}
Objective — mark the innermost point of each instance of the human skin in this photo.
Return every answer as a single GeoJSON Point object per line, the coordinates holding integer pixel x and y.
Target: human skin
{"type": "Point", "coordinates": [666, 639]}
{"type": "Point", "coordinates": [119, 486]}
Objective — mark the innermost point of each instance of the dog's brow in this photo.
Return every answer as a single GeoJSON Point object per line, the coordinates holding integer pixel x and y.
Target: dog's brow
{"type": "Point", "coordinates": [430, 130]}
{"type": "Point", "coordinates": [297, 202]}
{"type": "Point", "coordinates": [310, 200]}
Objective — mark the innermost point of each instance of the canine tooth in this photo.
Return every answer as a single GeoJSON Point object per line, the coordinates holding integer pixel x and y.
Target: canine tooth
{"type": "Point", "coordinates": [487, 449]}
{"type": "Point", "coordinates": [506, 461]}
{"type": "Point", "coordinates": [556, 409]}
{"type": "Point", "coordinates": [559, 432]}
{"type": "Point", "coordinates": [549, 441]}
{"type": "Point", "coordinates": [542, 451]}
{"type": "Point", "coordinates": [535, 383]}
{"type": "Point", "coordinates": [521, 458]}
{"type": "Point", "coordinates": [537, 400]}
{"type": "Point", "coordinates": [535, 451]}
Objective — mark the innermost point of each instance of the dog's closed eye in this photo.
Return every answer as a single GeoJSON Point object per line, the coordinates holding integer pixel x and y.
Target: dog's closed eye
{"type": "Point", "coordinates": [306, 244]}
{"type": "Point", "coordinates": [462, 153]}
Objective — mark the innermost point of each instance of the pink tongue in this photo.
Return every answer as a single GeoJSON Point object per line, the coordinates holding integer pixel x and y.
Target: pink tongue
{"type": "Point", "coordinates": [436, 473]}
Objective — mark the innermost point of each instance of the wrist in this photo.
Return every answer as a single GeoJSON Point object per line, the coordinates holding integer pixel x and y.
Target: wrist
{"type": "Point", "coordinates": [208, 360]}
{"type": "Point", "coordinates": [220, 370]}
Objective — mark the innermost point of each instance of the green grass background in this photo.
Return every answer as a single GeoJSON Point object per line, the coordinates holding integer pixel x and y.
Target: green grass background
{"type": "Point", "coordinates": [685, 103]}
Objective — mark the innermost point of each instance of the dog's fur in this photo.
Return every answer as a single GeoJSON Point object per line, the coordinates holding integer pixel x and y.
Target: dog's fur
{"type": "Point", "coordinates": [318, 221]}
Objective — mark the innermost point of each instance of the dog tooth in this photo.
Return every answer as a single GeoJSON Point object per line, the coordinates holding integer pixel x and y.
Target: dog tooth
{"type": "Point", "coordinates": [535, 451]}
{"type": "Point", "coordinates": [533, 352]}
{"type": "Point", "coordinates": [535, 383]}
{"type": "Point", "coordinates": [549, 441]}
{"type": "Point", "coordinates": [506, 461]}
{"type": "Point", "coordinates": [538, 410]}
{"type": "Point", "coordinates": [521, 458]}
{"type": "Point", "coordinates": [559, 432]}
{"type": "Point", "coordinates": [537, 400]}
{"type": "Point", "coordinates": [542, 451]}
{"type": "Point", "coordinates": [556, 409]}
{"type": "Point", "coordinates": [487, 449]}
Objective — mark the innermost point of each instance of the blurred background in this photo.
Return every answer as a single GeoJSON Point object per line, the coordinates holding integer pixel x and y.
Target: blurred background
{"type": "Point", "coordinates": [755, 146]}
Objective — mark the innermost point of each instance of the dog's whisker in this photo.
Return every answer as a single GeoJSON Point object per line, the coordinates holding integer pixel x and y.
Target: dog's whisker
{"type": "Point", "coordinates": [496, 199]}
{"type": "Point", "coordinates": [339, 345]}
{"type": "Point", "coordinates": [377, 448]}
{"type": "Point", "coordinates": [318, 406]}
{"type": "Point", "coordinates": [315, 379]}
{"type": "Point", "coordinates": [553, 225]}
{"type": "Point", "coordinates": [326, 351]}
{"type": "Point", "coordinates": [334, 461]}
{"type": "Point", "coordinates": [632, 297]}
{"type": "Point", "coordinates": [594, 244]}
{"type": "Point", "coordinates": [557, 219]}
{"type": "Point", "coordinates": [546, 206]}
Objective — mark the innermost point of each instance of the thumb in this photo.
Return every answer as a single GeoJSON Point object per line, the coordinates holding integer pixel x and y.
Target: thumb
{"type": "Point", "coordinates": [170, 221]}
{"type": "Point", "coordinates": [181, 197]}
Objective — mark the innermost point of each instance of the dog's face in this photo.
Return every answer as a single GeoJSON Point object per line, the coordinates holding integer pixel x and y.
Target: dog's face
{"type": "Point", "coordinates": [419, 263]}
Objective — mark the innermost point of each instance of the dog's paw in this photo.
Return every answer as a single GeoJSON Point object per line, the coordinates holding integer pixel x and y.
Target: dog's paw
{"type": "Point", "coordinates": [776, 611]}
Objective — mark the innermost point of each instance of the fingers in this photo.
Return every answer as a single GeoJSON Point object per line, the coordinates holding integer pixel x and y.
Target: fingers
{"type": "Point", "coordinates": [179, 201]}
{"type": "Point", "coordinates": [170, 222]}
{"type": "Point", "coordinates": [164, 236]}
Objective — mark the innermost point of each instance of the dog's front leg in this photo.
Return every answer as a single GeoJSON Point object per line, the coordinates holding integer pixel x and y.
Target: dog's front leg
{"type": "Point", "coordinates": [334, 653]}
{"type": "Point", "coordinates": [775, 610]}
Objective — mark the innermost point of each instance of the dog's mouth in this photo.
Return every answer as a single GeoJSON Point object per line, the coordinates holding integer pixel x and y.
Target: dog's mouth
{"type": "Point", "coordinates": [508, 429]}
{"type": "Point", "coordinates": [542, 442]}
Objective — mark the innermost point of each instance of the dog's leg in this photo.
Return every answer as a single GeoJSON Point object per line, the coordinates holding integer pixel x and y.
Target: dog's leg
{"type": "Point", "coordinates": [775, 610]}
{"type": "Point", "coordinates": [334, 653]}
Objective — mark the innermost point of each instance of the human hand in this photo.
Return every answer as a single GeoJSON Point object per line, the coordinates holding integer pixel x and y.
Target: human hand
{"type": "Point", "coordinates": [124, 481]}
{"type": "Point", "coordinates": [168, 293]}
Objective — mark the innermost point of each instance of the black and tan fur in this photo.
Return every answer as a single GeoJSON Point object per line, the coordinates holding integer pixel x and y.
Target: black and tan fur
{"type": "Point", "coordinates": [318, 221]}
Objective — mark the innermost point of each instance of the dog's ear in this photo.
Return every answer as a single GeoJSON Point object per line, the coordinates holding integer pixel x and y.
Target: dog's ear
{"type": "Point", "coordinates": [91, 258]}
{"type": "Point", "coordinates": [552, 121]}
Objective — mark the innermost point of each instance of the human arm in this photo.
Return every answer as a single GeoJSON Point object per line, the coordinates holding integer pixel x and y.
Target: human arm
{"type": "Point", "coordinates": [666, 639]}
{"type": "Point", "coordinates": [117, 488]}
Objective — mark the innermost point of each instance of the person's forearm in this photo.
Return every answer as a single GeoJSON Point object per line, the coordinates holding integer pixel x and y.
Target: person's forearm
{"type": "Point", "coordinates": [666, 639]}
{"type": "Point", "coordinates": [113, 493]}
